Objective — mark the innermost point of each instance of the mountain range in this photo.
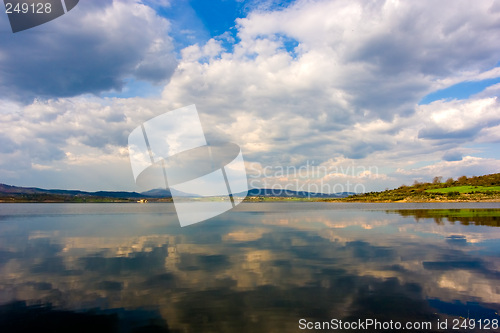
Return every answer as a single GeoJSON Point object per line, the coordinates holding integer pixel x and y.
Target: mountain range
{"type": "Point", "coordinates": [9, 193]}
{"type": "Point", "coordinates": [17, 191]}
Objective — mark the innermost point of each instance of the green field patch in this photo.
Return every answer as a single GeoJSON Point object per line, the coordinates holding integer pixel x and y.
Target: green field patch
{"type": "Point", "coordinates": [484, 217]}
{"type": "Point", "coordinates": [458, 212]}
{"type": "Point", "coordinates": [464, 189]}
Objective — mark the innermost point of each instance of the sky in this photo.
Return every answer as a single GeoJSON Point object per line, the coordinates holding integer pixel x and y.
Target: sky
{"type": "Point", "coordinates": [325, 96]}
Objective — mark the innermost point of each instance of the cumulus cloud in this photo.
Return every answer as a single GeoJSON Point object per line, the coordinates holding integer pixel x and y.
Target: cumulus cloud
{"type": "Point", "coordinates": [384, 54]}
{"type": "Point", "coordinates": [459, 120]}
{"type": "Point", "coordinates": [368, 63]}
{"type": "Point", "coordinates": [317, 81]}
{"type": "Point", "coordinates": [72, 136]}
{"type": "Point", "coordinates": [469, 166]}
{"type": "Point", "coordinates": [91, 49]}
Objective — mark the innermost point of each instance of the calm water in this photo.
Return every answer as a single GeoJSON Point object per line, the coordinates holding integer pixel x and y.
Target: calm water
{"type": "Point", "coordinates": [260, 268]}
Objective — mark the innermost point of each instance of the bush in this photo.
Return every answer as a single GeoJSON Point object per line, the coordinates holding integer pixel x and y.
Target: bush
{"type": "Point", "coordinates": [437, 180]}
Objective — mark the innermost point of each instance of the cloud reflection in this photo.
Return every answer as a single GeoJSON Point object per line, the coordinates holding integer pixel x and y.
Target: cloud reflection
{"type": "Point", "coordinates": [260, 268]}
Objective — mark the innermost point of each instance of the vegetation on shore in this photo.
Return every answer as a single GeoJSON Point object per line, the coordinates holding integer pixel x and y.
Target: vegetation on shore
{"type": "Point", "coordinates": [16, 194]}
{"type": "Point", "coordinates": [62, 198]}
{"type": "Point", "coordinates": [41, 197]}
{"type": "Point", "coordinates": [481, 188]}
{"type": "Point", "coordinates": [261, 198]}
{"type": "Point", "coordinates": [487, 217]}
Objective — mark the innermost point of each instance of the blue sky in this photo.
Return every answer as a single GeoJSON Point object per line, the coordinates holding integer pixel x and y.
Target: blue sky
{"type": "Point", "coordinates": [462, 90]}
{"type": "Point", "coordinates": [397, 91]}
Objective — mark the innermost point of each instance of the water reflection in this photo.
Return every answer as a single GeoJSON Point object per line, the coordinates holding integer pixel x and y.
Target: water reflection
{"type": "Point", "coordinates": [489, 217]}
{"type": "Point", "coordinates": [261, 268]}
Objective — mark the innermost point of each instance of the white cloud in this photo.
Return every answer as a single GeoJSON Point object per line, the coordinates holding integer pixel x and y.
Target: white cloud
{"type": "Point", "coordinates": [74, 137]}
{"type": "Point", "coordinates": [458, 119]}
{"type": "Point", "coordinates": [91, 49]}
{"type": "Point", "coordinates": [469, 166]}
{"type": "Point", "coordinates": [349, 69]}
{"type": "Point", "coordinates": [347, 92]}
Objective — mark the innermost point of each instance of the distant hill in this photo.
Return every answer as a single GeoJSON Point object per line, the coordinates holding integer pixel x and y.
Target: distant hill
{"type": "Point", "coordinates": [4, 189]}
{"type": "Point", "coordinates": [10, 193]}
{"type": "Point", "coordinates": [164, 193]}
{"type": "Point", "coordinates": [480, 188]}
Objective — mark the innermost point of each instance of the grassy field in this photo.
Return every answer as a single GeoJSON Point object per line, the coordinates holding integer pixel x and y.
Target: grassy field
{"type": "Point", "coordinates": [464, 189]}
{"type": "Point", "coordinates": [480, 188]}
{"type": "Point", "coordinates": [486, 217]}
{"type": "Point", "coordinates": [450, 213]}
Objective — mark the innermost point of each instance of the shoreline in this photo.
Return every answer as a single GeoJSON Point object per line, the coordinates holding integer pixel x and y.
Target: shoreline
{"type": "Point", "coordinates": [265, 199]}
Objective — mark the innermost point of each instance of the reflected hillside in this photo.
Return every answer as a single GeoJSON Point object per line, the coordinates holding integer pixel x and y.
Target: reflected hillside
{"type": "Point", "coordinates": [20, 317]}
{"type": "Point", "coordinates": [486, 217]}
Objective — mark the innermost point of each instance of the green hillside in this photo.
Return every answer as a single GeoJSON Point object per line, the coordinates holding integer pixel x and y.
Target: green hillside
{"type": "Point", "coordinates": [464, 189]}
{"type": "Point", "coordinates": [481, 188]}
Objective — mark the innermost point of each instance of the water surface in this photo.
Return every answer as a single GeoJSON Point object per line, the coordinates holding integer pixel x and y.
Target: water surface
{"type": "Point", "coordinates": [259, 268]}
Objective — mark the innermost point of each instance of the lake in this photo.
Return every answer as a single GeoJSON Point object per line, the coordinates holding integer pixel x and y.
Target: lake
{"type": "Point", "coordinates": [263, 267]}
